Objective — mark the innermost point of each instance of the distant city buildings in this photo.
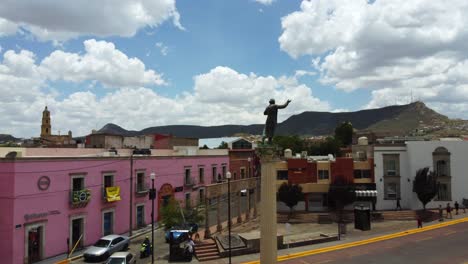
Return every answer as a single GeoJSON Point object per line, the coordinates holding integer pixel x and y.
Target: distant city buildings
{"type": "Point", "coordinates": [48, 139]}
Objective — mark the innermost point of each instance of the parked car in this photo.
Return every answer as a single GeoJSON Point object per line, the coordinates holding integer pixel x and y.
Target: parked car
{"type": "Point", "coordinates": [121, 258]}
{"type": "Point", "coordinates": [105, 246]}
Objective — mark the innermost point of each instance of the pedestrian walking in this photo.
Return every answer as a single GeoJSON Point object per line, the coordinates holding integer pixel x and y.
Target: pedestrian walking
{"type": "Point", "coordinates": [398, 206]}
{"type": "Point", "coordinates": [441, 213]}
{"type": "Point", "coordinates": [419, 222]}
{"type": "Point", "coordinates": [449, 211]}
{"type": "Point", "coordinates": [457, 206]}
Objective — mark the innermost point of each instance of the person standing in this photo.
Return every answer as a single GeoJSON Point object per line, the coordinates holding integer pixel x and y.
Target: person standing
{"type": "Point", "coordinates": [449, 211]}
{"type": "Point", "coordinates": [419, 222]}
{"type": "Point", "coordinates": [457, 206]}
{"type": "Point", "coordinates": [441, 213]}
{"type": "Point", "coordinates": [398, 205]}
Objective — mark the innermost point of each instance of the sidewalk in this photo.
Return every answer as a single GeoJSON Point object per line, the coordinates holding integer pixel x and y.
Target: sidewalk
{"type": "Point", "coordinates": [378, 229]}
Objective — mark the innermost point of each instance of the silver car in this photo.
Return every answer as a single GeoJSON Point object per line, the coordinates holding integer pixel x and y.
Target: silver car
{"type": "Point", "coordinates": [105, 246]}
{"type": "Point", "coordinates": [121, 258]}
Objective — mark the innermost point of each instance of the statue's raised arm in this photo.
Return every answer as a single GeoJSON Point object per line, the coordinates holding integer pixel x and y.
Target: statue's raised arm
{"type": "Point", "coordinates": [272, 119]}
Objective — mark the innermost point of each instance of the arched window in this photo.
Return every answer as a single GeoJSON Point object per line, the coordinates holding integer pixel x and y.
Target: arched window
{"type": "Point", "coordinates": [441, 168]}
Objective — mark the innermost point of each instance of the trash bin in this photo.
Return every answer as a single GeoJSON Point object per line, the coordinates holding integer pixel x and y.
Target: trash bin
{"type": "Point", "coordinates": [362, 217]}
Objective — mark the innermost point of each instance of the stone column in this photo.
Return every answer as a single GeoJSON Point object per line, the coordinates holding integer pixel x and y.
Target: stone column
{"type": "Point", "coordinates": [255, 198]}
{"type": "Point", "coordinates": [239, 212]}
{"type": "Point", "coordinates": [247, 215]}
{"type": "Point", "coordinates": [268, 221]}
{"type": "Point", "coordinates": [207, 219]}
{"type": "Point", "coordinates": [219, 227]}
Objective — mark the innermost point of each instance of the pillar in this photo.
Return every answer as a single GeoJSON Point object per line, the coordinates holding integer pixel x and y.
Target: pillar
{"type": "Point", "coordinates": [268, 221]}
{"type": "Point", "coordinates": [219, 227]}
{"type": "Point", "coordinates": [207, 219]}
{"type": "Point", "coordinates": [256, 194]}
{"type": "Point", "coordinates": [239, 212]}
{"type": "Point", "coordinates": [247, 215]}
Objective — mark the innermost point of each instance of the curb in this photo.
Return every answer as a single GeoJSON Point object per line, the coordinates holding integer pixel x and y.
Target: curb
{"type": "Point", "coordinates": [77, 257]}
{"type": "Point", "coordinates": [364, 242]}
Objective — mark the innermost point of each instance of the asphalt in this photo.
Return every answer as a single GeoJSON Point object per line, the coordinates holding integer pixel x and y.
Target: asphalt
{"type": "Point", "coordinates": [442, 245]}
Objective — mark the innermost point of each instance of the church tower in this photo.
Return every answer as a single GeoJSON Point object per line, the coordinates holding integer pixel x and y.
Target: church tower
{"type": "Point", "coordinates": [45, 127]}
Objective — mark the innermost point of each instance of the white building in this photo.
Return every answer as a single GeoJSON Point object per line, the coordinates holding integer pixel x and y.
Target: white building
{"type": "Point", "coordinates": [396, 166]}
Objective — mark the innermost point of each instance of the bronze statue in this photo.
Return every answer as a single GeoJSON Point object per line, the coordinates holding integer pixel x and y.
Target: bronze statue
{"type": "Point", "coordinates": [272, 112]}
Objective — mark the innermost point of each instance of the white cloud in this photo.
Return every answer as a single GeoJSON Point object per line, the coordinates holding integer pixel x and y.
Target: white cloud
{"type": "Point", "coordinates": [7, 27]}
{"type": "Point", "coordinates": [101, 62]}
{"type": "Point", "coordinates": [87, 17]}
{"type": "Point", "coordinates": [389, 47]}
{"type": "Point", "coordinates": [220, 96]}
{"type": "Point", "coordinates": [265, 2]}
{"type": "Point", "coordinates": [162, 48]}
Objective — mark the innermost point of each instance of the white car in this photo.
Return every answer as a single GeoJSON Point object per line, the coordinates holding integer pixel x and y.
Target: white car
{"type": "Point", "coordinates": [105, 246]}
{"type": "Point", "coordinates": [121, 258]}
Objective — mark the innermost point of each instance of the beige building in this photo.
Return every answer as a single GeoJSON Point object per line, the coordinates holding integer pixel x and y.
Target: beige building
{"type": "Point", "coordinates": [46, 133]}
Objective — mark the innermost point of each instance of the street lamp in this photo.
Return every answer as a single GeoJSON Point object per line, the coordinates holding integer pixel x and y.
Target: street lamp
{"type": "Point", "coordinates": [152, 196]}
{"type": "Point", "coordinates": [249, 159]}
{"type": "Point", "coordinates": [228, 177]}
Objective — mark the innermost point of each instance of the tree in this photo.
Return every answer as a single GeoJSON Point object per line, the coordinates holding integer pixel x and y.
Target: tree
{"type": "Point", "coordinates": [290, 195]}
{"type": "Point", "coordinates": [295, 143]}
{"type": "Point", "coordinates": [223, 145]}
{"type": "Point", "coordinates": [425, 185]}
{"type": "Point", "coordinates": [204, 147]}
{"type": "Point", "coordinates": [340, 194]}
{"type": "Point", "coordinates": [173, 215]}
{"type": "Point", "coordinates": [344, 133]}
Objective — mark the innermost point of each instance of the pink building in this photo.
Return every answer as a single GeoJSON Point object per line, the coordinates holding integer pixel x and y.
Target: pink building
{"type": "Point", "coordinates": [47, 201]}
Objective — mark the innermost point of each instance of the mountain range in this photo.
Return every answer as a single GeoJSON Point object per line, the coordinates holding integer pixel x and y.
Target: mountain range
{"type": "Point", "coordinates": [394, 120]}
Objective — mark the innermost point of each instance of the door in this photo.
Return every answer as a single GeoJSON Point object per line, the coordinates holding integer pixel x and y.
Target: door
{"type": "Point", "coordinates": [76, 232]}
{"type": "Point", "coordinates": [34, 244]}
{"type": "Point", "coordinates": [140, 215]}
{"type": "Point", "coordinates": [108, 223]}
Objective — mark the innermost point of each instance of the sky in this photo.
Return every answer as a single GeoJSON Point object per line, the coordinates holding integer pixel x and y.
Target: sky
{"type": "Point", "coordinates": [143, 63]}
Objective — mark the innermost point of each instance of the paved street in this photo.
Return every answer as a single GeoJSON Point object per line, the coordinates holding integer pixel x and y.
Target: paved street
{"type": "Point", "coordinates": [443, 245]}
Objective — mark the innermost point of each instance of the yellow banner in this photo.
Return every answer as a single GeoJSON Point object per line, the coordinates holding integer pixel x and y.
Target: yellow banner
{"type": "Point", "coordinates": [113, 193]}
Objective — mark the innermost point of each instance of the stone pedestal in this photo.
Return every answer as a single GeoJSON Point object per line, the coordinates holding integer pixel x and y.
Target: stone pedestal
{"type": "Point", "coordinates": [268, 241]}
{"type": "Point", "coordinates": [207, 222]}
{"type": "Point", "coordinates": [219, 227]}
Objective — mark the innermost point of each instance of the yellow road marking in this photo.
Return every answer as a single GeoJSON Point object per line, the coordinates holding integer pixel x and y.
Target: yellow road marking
{"type": "Point", "coordinates": [364, 242]}
{"type": "Point", "coordinates": [423, 239]}
{"type": "Point", "coordinates": [449, 233]}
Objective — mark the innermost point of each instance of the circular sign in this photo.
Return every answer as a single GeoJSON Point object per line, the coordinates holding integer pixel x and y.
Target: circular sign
{"type": "Point", "coordinates": [43, 183]}
{"type": "Point", "coordinates": [82, 197]}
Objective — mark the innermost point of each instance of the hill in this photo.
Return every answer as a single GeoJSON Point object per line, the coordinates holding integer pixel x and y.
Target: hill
{"type": "Point", "coordinates": [397, 120]}
{"type": "Point", "coordinates": [7, 138]}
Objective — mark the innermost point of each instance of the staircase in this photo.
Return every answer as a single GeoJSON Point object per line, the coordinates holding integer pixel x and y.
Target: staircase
{"type": "Point", "coordinates": [206, 250]}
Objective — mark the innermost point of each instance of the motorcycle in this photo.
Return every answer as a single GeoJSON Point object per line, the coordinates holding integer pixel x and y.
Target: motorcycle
{"type": "Point", "coordinates": [146, 249]}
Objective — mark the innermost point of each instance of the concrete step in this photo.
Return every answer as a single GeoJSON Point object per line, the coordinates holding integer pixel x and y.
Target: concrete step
{"type": "Point", "coordinates": [206, 251]}
{"type": "Point", "coordinates": [208, 258]}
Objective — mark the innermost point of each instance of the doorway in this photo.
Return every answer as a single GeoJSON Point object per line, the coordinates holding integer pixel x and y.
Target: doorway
{"type": "Point", "coordinates": [77, 228]}
{"type": "Point", "coordinates": [108, 222]}
{"type": "Point", "coordinates": [35, 237]}
{"type": "Point", "coordinates": [140, 215]}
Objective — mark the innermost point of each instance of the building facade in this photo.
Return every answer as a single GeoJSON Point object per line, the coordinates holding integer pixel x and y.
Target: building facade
{"type": "Point", "coordinates": [396, 166]}
{"type": "Point", "coordinates": [48, 203]}
{"type": "Point", "coordinates": [47, 138]}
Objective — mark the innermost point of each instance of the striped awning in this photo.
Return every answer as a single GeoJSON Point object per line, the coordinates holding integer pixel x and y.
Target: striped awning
{"type": "Point", "coordinates": [366, 193]}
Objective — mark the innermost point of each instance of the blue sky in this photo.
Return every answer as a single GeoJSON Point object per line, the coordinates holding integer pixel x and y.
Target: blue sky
{"type": "Point", "coordinates": [210, 62]}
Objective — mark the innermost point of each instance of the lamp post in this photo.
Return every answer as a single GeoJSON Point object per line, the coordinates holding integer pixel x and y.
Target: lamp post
{"type": "Point", "coordinates": [228, 177]}
{"type": "Point", "coordinates": [152, 196]}
{"type": "Point", "coordinates": [130, 231]}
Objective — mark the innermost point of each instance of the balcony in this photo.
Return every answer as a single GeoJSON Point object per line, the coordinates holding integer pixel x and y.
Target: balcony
{"type": "Point", "coordinates": [189, 182]}
{"type": "Point", "coordinates": [80, 198]}
{"type": "Point", "coordinates": [142, 189]}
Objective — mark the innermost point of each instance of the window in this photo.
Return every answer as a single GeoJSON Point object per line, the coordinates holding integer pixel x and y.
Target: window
{"type": "Point", "coordinates": [391, 164]}
{"type": "Point", "coordinates": [362, 174]}
{"type": "Point", "coordinates": [282, 175]}
{"type": "Point", "coordinates": [188, 179]}
{"type": "Point", "coordinates": [441, 168]}
{"type": "Point", "coordinates": [213, 173]}
{"type": "Point", "coordinates": [443, 193]}
{"type": "Point", "coordinates": [108, 181]}
{"type": "Point", "coordinates": [141, 184]}
{"type": "Point", "coordinates": [201, 174]}
{"type": "Point", "coordinates": [116, 241]}
{"type": "Point", "coordinates": [224, 171]}
{"type": "Point", "coordinates": [242, 173]}
{"type": "Point", "coordinates": [129, 257]}
{"type": "Point", "coordinates": [108, 222]}
{"type": "Point", "coordinates": [201, 194]}
{"type": "Point", "coordinates": [391, 191]}
{"type": "Point", "coordinates": [78, 184]}
{"type": "Point", "coordinates": [323, 174]}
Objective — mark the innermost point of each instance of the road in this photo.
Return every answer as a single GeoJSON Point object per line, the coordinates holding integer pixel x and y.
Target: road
{"type": "Point", "coordinates": [444, 245]}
